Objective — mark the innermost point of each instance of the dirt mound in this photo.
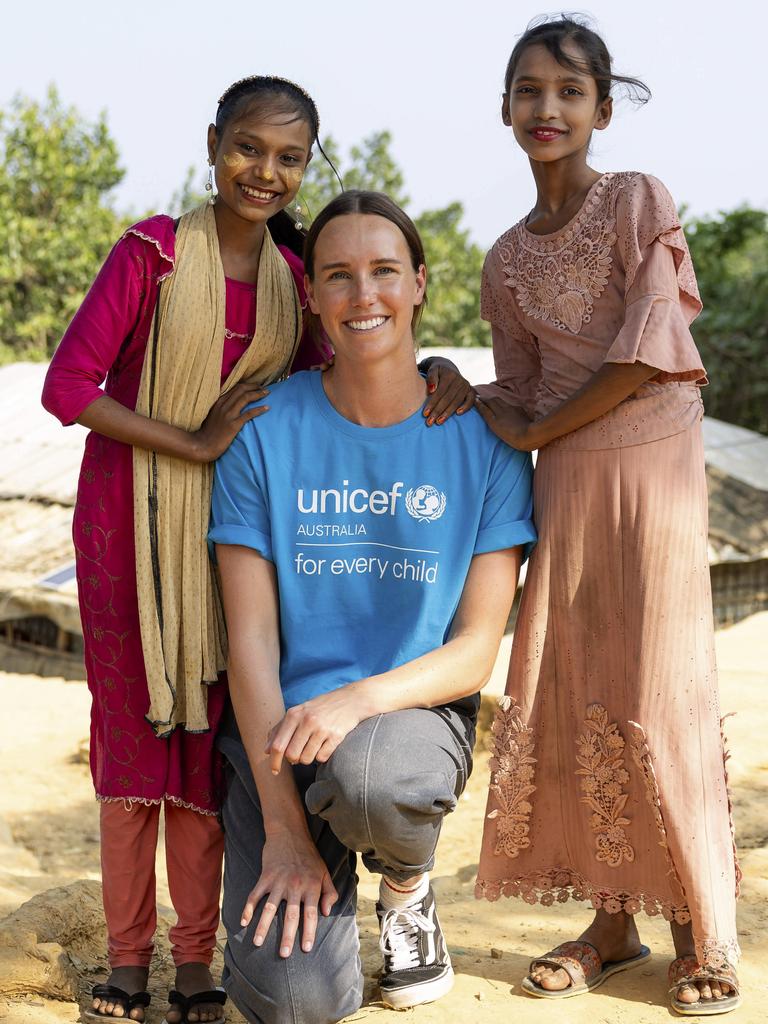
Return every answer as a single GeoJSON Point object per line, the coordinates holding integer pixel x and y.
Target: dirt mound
{"type": "Point", "coordinates": [44, 943]}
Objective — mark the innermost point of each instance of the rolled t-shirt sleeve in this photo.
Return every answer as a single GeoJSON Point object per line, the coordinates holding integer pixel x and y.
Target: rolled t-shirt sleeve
{"type": "Point", "coordinates": [506, 520]}
{"type": "Point", "coordinates": [239, 508]}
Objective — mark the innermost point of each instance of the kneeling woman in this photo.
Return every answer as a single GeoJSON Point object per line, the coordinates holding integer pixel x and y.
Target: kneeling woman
{"type": "Point", "coordinates": [368, 565]}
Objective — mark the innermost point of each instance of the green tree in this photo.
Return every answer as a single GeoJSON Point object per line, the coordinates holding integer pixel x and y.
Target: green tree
{"type": "Point", "coordinates": [320, 184]}
{"type": "Point", "coordinates": [56, 223]}
{"type": "Point", "coordinates": [190, 195]}
{"type": "Point", "coordinates": [373, 167]}
{"type": "Point", "coordinates": [454, 262]}
{"type": "Point", "coordinates": [730, 254]}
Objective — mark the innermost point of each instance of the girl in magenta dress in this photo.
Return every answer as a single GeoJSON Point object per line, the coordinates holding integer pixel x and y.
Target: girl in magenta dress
{"type": "Point", "coordinates": [258, 149]}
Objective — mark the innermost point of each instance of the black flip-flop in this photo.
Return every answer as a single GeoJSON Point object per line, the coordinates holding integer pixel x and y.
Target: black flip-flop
{"type": "Point", "coordinates": [113, 994]}
{"type": "Point", "coordinates": [186, 1003]}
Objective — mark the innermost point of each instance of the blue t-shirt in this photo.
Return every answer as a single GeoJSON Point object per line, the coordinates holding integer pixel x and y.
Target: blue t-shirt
{"type": "Point", "coordinates": [371, 529]}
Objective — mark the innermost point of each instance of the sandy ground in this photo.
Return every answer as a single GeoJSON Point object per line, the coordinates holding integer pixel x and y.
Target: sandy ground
{"type": "Point", "coordinates": [49, 838]}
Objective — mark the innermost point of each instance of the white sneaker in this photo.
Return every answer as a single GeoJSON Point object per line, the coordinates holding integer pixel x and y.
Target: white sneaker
{"type": "Point", "coordinates": [417, 967]}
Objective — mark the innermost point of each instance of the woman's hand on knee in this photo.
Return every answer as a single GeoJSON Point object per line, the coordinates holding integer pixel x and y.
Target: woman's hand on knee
{"type": "Point", "coordinates": [312, 731]}
{"type": "Point", "coordinates": [292, 872]}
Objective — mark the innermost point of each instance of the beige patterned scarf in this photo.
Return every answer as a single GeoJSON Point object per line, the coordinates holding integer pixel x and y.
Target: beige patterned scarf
{"type": "Point", "coordinates": [182, 625]}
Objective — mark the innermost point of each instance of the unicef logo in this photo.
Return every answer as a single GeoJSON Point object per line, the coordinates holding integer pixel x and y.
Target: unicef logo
{"type": "Point", "coordinates": [425, 503]}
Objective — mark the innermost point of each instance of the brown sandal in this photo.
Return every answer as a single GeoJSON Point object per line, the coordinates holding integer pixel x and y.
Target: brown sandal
{"type": "Point", "coordinates": [686, 970]}
{"type": "Point", "coordinates": [581, 962]}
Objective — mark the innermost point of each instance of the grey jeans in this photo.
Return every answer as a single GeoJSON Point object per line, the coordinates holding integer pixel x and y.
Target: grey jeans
{"type": "Point", "coordinates": [383, 794]}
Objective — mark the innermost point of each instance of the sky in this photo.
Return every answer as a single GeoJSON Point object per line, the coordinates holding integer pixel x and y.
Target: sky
{"type": "Point", "coordinates": [430, 72]}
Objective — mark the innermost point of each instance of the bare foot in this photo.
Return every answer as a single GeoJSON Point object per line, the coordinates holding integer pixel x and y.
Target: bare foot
{"type": "Point", "coordinates": [613, 935]}
{"type": "Point", "coordinates": [703, 990]}
{"type": "Point", "coordinates": [192, 978]}
{"type": "Point", "coordinates": [130, 980]}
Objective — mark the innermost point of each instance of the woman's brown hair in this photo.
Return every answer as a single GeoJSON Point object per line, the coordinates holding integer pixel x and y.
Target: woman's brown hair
{"type": "Point", "coordinates": [379, 205]}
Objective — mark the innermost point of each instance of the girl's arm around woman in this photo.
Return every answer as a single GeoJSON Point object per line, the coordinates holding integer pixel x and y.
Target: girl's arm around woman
{"type": "Point", "coordinates": [92, 345]}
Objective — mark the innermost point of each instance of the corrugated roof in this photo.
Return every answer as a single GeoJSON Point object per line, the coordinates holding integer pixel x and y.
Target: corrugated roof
{"type": "Point", "coordinates": [41, 459]}
{"type": "Point", "coordinates": [37, 568]}
{"type": "Point", "coordinates": [737, 452]}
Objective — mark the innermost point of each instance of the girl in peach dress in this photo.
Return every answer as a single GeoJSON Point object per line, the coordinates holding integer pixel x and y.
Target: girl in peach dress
{"type": "Point", "coordinates": [608, 780]}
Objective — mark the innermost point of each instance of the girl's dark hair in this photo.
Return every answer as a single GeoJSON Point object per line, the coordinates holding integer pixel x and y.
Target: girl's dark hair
{"type": "Point", "coordinates": [277, 94]}
{"type": "Point", "coordinates": [379, 205]}
{"type": "Point", "coordinates": [274, 95]}
{"type": "Point", "coordinates": [595, 60]}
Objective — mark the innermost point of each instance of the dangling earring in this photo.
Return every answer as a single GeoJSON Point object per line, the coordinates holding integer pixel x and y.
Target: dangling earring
{"type": "Point", "coordinates": [297, 210]}
{"type": "Point", "coordinates": [209, 183]}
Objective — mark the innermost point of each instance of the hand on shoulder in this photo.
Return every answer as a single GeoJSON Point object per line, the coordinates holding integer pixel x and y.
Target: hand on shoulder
{"type": "Point", "coordinates": [449, 392]}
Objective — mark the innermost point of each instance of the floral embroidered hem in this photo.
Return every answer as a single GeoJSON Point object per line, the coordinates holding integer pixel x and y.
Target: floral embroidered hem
{"type": "Point", "coordinates": [600, 750]}
{"type": "Point", "coordinates": [512, 766]}
{"type": "Point", "coordinates": [559, 885]}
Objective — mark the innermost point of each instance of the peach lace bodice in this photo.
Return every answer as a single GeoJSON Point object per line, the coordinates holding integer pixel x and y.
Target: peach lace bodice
{"type": "Point", "coordinates": [615, 284]}
{"type": "Point", "coordinates": [558, 277]}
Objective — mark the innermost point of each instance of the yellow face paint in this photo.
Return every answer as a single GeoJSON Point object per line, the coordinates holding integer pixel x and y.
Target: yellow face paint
{"type": "Point", "coordinates": [234, 163]}
{"type": "Point", "coordinates": [268, 169]}
{"type": "Point", "coordinates": [293, 177]}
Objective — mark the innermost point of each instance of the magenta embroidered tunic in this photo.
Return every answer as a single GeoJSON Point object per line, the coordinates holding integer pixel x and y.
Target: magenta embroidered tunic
{"type": "Point", "coordinates": [105, 345]}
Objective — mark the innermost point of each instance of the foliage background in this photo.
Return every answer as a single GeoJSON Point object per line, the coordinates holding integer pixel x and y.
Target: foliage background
{"type": "Point", "coordinates": [730, 254]}
{"type": "Point", "coordinates": [58, 222]}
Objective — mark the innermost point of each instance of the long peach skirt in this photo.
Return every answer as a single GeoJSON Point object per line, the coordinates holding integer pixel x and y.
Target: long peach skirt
{"type": "Point", "coordinates": [608, 776]}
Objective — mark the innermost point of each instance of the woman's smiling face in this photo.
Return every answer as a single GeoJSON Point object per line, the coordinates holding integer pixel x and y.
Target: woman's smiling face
{"type": "Point", "coordinates": [259, 160]}
{"type": "Point", "coordinates": [365, 287]}
{"type": "Point", "coordinates": [552, 109]}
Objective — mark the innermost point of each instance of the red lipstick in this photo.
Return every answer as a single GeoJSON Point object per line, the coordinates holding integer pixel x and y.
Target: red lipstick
{"type": "Point", "coordinates": [543, 134]}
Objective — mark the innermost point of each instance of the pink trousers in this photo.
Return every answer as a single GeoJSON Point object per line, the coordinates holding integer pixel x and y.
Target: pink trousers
{"type": "Point", "coordinates": [194, 845]}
